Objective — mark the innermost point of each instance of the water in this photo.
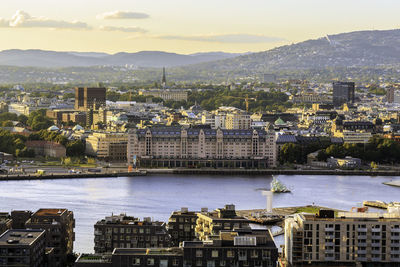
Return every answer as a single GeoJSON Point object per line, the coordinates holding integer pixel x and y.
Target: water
{"type": "Point", "coordinates": [157, 196]}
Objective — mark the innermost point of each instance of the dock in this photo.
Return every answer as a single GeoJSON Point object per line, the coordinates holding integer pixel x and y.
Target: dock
{"type": "Point", "coordinates": [71, 176]}
{"type": "Point", "coordinates": [375, 204]}
{"type": "Point", "coordinates": [393, 183]}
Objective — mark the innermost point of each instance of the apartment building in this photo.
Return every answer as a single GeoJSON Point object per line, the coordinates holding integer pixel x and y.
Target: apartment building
{"type": "Point", "coordinates": [181, 226]}
{"type": "Point", "coordinates": [23, 248]}
{"type": "Point", "coordinates": [121, 231]}
{"type": "Point", "coordinates": [180, 147]}
{"type": "Point", "coordinates": [107, 145]}
{"type": "Point", "coordinates": [241, 247]}
{"type": "Point", "coordinates": [59, 225]}
{"type": "Point", "coordinates": [370, 239]}
{"type": "Point", "coordinates": [210, 224]}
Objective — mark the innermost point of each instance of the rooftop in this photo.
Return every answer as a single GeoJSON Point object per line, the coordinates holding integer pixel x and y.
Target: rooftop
{"type": "Point", "coordinates": [20, 237]}
{"type": "Point", "coordinates": [49, 212]}
{"type": "Point", "coordinates": [149, 251]}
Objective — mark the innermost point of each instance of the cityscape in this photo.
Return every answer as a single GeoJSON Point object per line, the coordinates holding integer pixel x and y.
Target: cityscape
{"type": "Point", "coordinates": [213, 133]}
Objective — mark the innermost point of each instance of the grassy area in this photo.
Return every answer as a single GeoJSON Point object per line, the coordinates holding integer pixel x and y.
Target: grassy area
{"type": "Point", "coordinates": [311, 209]}
{"type": "Point", "coordinates": [308, 209]}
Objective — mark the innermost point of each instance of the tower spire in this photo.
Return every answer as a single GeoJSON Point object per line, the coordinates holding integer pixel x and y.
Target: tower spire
{"type": "Point", "coordinates": [164, 79]}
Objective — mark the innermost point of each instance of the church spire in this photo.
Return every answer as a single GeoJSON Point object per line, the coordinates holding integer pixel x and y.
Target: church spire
{"type": "Point", "coordinates": [164, 79]}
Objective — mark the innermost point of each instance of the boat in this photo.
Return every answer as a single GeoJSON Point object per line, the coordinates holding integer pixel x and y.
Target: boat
{"type": "Point", "coordinates": [278, 187]}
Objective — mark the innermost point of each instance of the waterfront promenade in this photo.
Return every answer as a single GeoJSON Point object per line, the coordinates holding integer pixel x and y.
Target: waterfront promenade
{"type": "Point", "coordinates": [201, 171]}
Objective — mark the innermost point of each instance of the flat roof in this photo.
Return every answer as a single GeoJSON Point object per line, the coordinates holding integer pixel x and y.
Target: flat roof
{"type": "Point", "coordinates": [49, 212]}
{"type": "Point", "coordinates": [20, 237]}
{"type": "Point", "coordinates": [149, 251]}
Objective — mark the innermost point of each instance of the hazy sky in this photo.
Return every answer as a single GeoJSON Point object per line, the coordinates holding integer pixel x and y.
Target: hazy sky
{"type": "Point", "coordinates": [184, 26]}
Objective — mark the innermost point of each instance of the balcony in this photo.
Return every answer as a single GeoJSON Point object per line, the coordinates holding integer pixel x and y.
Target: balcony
{"type": "Point", "coordinates": [395, 230]}
{"type": "Point", "coordinates": [329, 229]}
{"type": "Point", "coordinates": [362, 230]}
{"type": "Point", "coordinates": [376, 230]}
{"type": "Point", "coordinates": [376, 237]}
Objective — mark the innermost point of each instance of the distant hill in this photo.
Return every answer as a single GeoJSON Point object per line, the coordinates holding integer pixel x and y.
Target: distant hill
{"type": "Point", "coordinates": [53, 59]}
{"type": "Point", "coordinates": [354, 49]}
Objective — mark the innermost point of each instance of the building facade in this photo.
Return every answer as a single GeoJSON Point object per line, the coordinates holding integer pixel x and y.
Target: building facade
{"type": "Point", "coordinates": [121, 231]}
{"type": "Point", "coordinates": [181, 226]}
{"type": "Point", "coordinates": [343, 92]}
{"type": "Point", "coordinates": [89, 97]}
{"type": "Point", "coordinates": [47, 148]}
{"type": "Point", "coordinates": [166, 94]}
{"type": "Point", "coordinates": [193, 147]}
{"type": "Point", "coordinates": [210, 224]}
{"type": "Point", "coordinates": [241, 247]}
{"type": "Point", "coordinates": [107, 145]}
{"type": "Point", "coordinates": [370, 239]}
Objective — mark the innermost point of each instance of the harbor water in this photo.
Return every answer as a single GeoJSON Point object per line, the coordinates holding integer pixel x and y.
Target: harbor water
{"type": "Point", "coordinates": [157, 196]}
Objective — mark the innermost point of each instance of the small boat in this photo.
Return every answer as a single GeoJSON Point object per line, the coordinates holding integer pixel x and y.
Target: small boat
{"type": "Point", "coordinates": [278, 187]}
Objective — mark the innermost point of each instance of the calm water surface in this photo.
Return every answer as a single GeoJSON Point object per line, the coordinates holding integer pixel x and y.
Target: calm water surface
{"type": "Point", "coordinates": [157, 196]}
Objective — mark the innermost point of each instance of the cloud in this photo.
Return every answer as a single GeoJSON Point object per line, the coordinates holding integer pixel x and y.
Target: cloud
{"type": "Point", "coordinates": [123, 29]}
{"type": "Point", "coordinates": [123, 15]}
{"type": "Point", "coordinates": [225, 38]}
{"type": "Point", "coordinates": [22, 19]}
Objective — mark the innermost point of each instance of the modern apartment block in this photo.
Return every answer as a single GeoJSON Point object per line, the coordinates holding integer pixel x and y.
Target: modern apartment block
{"type": "Point", "coordinates": [107, 145]}
{"type": "Point", "coordinates": [24, 248]}
{"type": "Point", "coordinates": [181, 226]}
{"type": "Point", "coordinates": [59, 225]}
{"type": "Point", "coordinates": [210, 224]}
{"type": "Point", "coordinates": [121, 231]}
{"type": "Point", "coordinates": [180, 147]}
{"type": "Point", "coordinates": [345, 239]}
{"type": "Point", "coordinates": [89, 97]}
{"type": "Point", "coordinates": [343, 92]}
{"type": "Point", "coordinates": [241, 247]}
{"type": "Point", "coordinates": [231, 248]}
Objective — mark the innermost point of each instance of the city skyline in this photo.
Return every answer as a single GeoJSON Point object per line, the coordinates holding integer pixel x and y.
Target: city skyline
{"type": "Point", "coordinates": [231, 26]}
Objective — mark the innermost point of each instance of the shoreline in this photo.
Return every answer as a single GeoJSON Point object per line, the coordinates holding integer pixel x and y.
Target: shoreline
{"type": "Point", "coordinates": [203, 171]}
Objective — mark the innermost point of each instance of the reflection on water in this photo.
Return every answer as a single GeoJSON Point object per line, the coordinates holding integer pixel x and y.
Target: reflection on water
{"type": "Point", "coordinates": [158, 195]}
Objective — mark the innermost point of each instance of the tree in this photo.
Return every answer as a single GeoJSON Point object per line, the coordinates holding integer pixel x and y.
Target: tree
{"type": "Point", "coordinates": [7, 124]}
{"type": "Point", "coordinates": [75, 148]}
{"type": "Point", "coordinates": [23, 119]}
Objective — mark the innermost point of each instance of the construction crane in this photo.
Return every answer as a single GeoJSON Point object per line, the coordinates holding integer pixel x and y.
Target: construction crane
{"type": "Point", "coordinates": [246, 99]}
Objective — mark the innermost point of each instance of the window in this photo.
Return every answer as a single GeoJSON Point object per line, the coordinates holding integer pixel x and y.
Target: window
{"type": "Point", "coordinates": [230, 254]}
{"type": "Point", "coordinates": [199, 253]}
{"type": "Point", "coordinates": [266, 254]}
{"type": "Point", "coordinates": [136, 261]}
{"type": "Point", "coordinates": [254, 253]}
{"type": "Point", "coordinates": [210, 263]}
{"type": "Point", "coordinates": [214, 254]}
{"type": "Point", "coordinates": [150, 261]}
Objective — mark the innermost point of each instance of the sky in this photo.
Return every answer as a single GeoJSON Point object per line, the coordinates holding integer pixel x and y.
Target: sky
{"type": "Point", "coordinates": [184, 26]}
